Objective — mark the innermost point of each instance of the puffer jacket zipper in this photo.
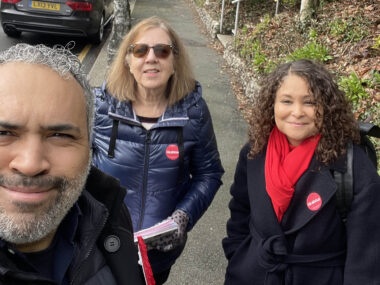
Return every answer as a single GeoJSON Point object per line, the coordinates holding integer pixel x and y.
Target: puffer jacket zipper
{"type": "Point", "coordinates": [145, 178]}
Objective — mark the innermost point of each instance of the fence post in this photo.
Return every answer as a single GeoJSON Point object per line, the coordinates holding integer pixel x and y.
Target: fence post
{"type": "Point", "coordinates": [277, 4]}
{"type": "Point", "coordinates": [236, 16]}
{"type": "Point", "coordinates": [221, 18]}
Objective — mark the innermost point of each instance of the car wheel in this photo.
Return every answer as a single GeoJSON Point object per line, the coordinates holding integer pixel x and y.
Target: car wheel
{"type": "Point", "coordinates": [11, 32]}
{"type": "Point", "coordinates": [98, 36]}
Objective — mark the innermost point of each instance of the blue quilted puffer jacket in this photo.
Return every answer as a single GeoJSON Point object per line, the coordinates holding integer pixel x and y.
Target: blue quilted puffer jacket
{"type": "Point", "coordinates": [174, 165]}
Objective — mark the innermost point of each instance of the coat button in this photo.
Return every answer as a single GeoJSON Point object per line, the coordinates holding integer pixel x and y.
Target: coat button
{"type": "Point", "coordinates": [112, 243]}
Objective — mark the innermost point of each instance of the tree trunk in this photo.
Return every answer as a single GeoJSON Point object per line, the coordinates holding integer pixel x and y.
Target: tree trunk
{"type": "Point", "coordinates": [308, 8]}
{"type": "Point", "coordinates": [120, 26]}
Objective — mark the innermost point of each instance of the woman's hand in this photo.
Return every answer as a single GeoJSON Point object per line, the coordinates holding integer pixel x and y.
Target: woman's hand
{"type": "Point", "coordinates": [177, 238]}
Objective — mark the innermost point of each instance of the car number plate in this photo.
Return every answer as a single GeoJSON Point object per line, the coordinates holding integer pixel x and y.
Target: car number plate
{"type": "Point", "coordinates": [45, 5]}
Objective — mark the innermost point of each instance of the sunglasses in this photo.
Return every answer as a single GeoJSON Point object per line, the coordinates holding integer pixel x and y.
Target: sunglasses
{"type": "Point", "coordinates": [160, 50]}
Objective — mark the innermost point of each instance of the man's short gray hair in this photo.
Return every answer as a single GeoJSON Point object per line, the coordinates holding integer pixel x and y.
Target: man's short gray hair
{"type": "Point", "coordinates": [59, 59]}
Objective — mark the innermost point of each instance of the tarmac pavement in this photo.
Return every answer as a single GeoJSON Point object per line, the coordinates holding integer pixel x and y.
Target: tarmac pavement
{"type": "Point", "coordinates": [202, 261]}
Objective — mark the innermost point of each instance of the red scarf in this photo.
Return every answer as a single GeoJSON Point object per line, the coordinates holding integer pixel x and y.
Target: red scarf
{"type": "Point", "coordinates": [284, 166]}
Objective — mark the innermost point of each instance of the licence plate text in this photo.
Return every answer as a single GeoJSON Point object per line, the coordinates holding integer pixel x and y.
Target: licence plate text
{"type": "Point", "coordinates": [45, 5]}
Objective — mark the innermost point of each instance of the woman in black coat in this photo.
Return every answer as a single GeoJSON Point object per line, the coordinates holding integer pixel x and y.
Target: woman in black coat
{"type": "Point", "coordinates": [284, 226]}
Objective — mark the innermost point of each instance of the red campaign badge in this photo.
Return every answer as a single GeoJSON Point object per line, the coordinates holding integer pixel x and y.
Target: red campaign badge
{"type": "Point", "coordinates": [172, 152]}
{"type": "Point", "coordinates": [314, 201]}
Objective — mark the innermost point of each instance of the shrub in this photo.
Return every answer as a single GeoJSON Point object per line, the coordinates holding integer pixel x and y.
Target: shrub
{"type": "Point", "coordinates": [353, 86]}
{"type": "Point", "coordinates": [376, 44]}
{"type": "Point", "coordinates": [351, 29]}
{"type": "Point", "coordinates": [312, 50]}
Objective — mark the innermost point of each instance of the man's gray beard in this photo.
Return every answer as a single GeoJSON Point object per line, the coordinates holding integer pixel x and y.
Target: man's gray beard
{"type": "Point", "coordinates": [26, 228]}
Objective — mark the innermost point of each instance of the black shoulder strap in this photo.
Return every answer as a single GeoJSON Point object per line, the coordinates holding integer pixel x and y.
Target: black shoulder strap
{"type": "Point", "coordinates": [369, 130]}
{"type": "Point", "coordinates": [116, 240]}
{"type": "Point", "coordinates": [344, 181]}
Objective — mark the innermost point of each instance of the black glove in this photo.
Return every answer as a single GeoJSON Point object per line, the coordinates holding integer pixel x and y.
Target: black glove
{"type": "Point", "coordinates": [179, 237]}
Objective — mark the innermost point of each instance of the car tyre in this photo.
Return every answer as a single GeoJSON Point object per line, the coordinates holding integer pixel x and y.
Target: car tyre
{"type": "Point", "coordinates": [98, 36]}
{"type": "Point", "coordinates": [13, 33]}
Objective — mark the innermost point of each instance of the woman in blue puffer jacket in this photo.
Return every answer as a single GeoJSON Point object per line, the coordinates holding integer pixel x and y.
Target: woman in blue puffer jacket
{"type": "Point", "coordinates": [154, 132]}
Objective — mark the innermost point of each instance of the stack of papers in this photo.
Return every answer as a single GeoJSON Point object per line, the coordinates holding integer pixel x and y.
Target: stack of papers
{"type": "Point", "coordinates": [165, 228]}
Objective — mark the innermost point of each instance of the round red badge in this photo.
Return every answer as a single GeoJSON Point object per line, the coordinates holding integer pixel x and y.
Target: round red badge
{"type": "Point", "coordinates": [314, 201]}
{"type": "Point", "coordinates": [172, 152]}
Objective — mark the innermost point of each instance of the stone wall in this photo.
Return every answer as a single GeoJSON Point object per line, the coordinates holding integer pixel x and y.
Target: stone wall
{"type": "Point", "coordinates": [241, 71]}
{"type": "Point", "coordinates": [212, 26]}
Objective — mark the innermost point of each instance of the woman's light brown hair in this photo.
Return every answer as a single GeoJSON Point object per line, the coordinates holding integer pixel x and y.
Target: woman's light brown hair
{"type": "Point", "coordinates": [120, 81]}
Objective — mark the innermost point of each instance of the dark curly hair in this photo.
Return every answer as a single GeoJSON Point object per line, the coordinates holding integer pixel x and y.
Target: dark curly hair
{"type": "Point", "coordinates": [338, 123]}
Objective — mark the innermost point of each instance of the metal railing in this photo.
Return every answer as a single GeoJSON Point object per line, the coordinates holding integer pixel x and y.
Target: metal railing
{"type": "Point", "coordinates": [221, 18]}
{"type": "Point", "coordinates": [277, 4]}
{"type": "Point", "coordinates": [234, 31]}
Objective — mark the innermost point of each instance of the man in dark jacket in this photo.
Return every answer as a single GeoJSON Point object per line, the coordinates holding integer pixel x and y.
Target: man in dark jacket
{"type": "Point", "coordinates": [61, 221]}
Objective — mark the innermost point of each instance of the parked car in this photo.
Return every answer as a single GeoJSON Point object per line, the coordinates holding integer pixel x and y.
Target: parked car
{"type": "Point", "coordinates": [86, 18]}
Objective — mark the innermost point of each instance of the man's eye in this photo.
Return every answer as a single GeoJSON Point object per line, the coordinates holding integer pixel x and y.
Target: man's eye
{"type": "Point", "coordinates": [62, 135]}
{"type": "Point", "coordinates": [5, 133]}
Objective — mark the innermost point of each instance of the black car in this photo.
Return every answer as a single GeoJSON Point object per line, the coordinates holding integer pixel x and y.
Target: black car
{"type": "Point", "coordinates": [85, 18]}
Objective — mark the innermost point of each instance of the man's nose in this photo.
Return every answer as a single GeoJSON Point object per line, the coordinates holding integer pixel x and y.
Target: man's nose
{"type": "Point", "coordinates": [30, 157]}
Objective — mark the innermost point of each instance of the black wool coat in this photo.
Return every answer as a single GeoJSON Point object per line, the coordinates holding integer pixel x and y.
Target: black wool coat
{"type": "Point", "coordinates": [311, 245]}
{"type": "Point", "coordinates": [104, 221]}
